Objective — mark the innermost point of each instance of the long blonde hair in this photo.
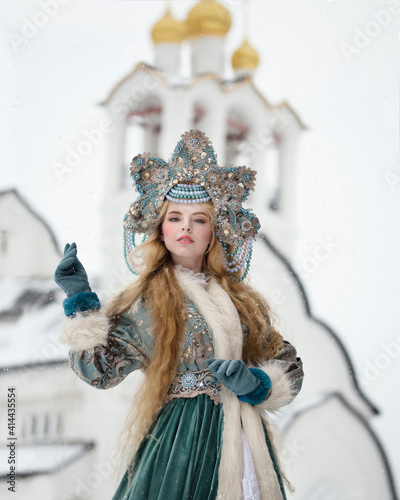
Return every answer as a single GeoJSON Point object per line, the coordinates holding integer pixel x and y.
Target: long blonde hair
{"type": "Point", "coordinates": [261, 342]}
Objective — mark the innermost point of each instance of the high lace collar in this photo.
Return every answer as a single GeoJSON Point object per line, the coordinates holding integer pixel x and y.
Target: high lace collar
{"type": "Point", "coordinates": [200, 277]}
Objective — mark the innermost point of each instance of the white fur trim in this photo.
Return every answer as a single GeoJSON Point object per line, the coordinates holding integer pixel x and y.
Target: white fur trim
{"type": "Point", "coordinates": [218, 312]}
{"type": "Point", "coordinates": [222, 318]}
{"type": "Point", "coordinates": [85, 331]}
{"type": "Point", "coordinates": [229, 322]}
{"type": "Point", "coordinates": [281, 392]}
{"type": "Point", "coordinates": [267, 479]}
{"type": "Point", "coordinates": [230, 473]}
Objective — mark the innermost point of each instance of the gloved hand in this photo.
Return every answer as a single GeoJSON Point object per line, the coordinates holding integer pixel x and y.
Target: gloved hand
{"type": "Point", "coordinates": [234, 374]}
{"type": "Point", "coordinates": [70, 275]}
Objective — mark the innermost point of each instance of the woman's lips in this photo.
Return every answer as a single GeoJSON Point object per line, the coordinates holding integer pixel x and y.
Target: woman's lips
{"type": "Point", "coordinates": [185, 239]}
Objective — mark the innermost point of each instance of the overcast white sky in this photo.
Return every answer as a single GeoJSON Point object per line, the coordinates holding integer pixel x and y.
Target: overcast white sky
{"type": "Point", "coordinates": [335, 62]}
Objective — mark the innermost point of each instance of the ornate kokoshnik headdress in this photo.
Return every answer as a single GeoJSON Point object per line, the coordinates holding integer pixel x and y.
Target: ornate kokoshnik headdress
{"type": "Point", "coordinates": [193, 176]}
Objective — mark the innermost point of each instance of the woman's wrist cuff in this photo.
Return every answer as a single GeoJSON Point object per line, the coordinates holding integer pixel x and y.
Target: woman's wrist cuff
{"type": "Point", "coordinates": [261, 392]}
{"type": "Point", "coordinates": [81, 301]}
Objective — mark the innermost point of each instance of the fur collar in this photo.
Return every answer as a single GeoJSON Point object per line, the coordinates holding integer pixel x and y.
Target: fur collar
{"type": "Point", "coordinates": [221, 316]}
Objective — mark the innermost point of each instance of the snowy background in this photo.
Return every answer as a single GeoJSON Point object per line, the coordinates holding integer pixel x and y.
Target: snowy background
{"type": "Point", "coordinates": [335, 62]}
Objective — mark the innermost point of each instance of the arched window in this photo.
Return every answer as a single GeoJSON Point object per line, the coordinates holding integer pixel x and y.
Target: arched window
{"type": "Point", "coordinates": [199, 112]}
{"type": "Point", "coordinates": [3, 241]}
{"type": "Point", "coordinates": [134, 142]}
{"type": "Point", "coordinates": [271, 175]}
{"type": "Point", "coordinates": [237, 145]}
{"type": "Point", "coordinates": [142, 133]}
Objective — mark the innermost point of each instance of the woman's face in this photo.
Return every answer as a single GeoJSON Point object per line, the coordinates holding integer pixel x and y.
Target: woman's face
{"type": "Point", "coordinates": [186, 232]}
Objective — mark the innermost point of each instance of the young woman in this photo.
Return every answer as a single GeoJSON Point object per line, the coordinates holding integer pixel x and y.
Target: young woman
{"type": "Point", "coordinates": [213, 362]}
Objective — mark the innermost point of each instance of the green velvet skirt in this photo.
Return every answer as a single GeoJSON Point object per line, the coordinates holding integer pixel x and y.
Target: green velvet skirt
{"type": "Point", "coordinates": [180, 458]}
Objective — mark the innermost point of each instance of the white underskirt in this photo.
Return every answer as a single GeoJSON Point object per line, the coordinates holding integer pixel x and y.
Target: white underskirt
{"type": "Point", "coordinates": [250, 485]}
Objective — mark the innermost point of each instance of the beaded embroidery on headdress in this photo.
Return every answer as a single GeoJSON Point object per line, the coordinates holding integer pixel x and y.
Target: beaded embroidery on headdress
{"type": "Point", "coordinates": [192, 175]}
{"type": "Point", "coordinates": [188, 193]}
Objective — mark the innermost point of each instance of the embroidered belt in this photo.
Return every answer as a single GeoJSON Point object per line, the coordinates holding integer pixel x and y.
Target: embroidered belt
{"type": "Point", "coordinates": [191, 384]}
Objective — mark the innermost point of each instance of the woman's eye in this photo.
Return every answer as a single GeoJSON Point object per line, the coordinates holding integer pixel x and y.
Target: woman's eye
{"type": "Point", "coordinates": [173, 219]}
{"type": "Point", "coordinates": [200, 220]}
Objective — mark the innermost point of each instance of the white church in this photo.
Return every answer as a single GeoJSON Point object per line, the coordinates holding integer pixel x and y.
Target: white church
{"type": "Point", "coordinates": [68, 451]}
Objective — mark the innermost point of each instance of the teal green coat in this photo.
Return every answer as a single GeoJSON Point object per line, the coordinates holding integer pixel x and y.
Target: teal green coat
{"type": "Point", "coordinates": [195, 442]}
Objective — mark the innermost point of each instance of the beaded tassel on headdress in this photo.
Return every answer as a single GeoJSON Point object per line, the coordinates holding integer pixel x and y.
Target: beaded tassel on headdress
{"type": "Point", "coordinates": [192, 175]}
{"type": "Point", "coordinates": [241, 257]}
{"type": "Point", "coordinates": [129, 244]}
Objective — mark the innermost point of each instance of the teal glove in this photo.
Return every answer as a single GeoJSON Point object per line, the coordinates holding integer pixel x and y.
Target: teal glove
{"type": "Point", "coordinates": [234, 374]}
{"type": "Point", "coordinates": [70, 275]}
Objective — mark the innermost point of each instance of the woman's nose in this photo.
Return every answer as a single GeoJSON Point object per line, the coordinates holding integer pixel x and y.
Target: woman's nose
{"type": "Point", "coordinates": [186, 226]}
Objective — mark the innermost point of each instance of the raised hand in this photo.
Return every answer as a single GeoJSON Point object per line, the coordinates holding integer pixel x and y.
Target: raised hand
{"type": "Point", "coordinates": [70, 275]}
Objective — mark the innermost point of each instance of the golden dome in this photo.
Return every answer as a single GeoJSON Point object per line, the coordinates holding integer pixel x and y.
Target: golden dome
{"type": "Point", "coordinates": [168, 29]}
{"type": "Point", "coordinates": [245, 57]}
{"type": "Point", "coordinates": [208, 17]}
